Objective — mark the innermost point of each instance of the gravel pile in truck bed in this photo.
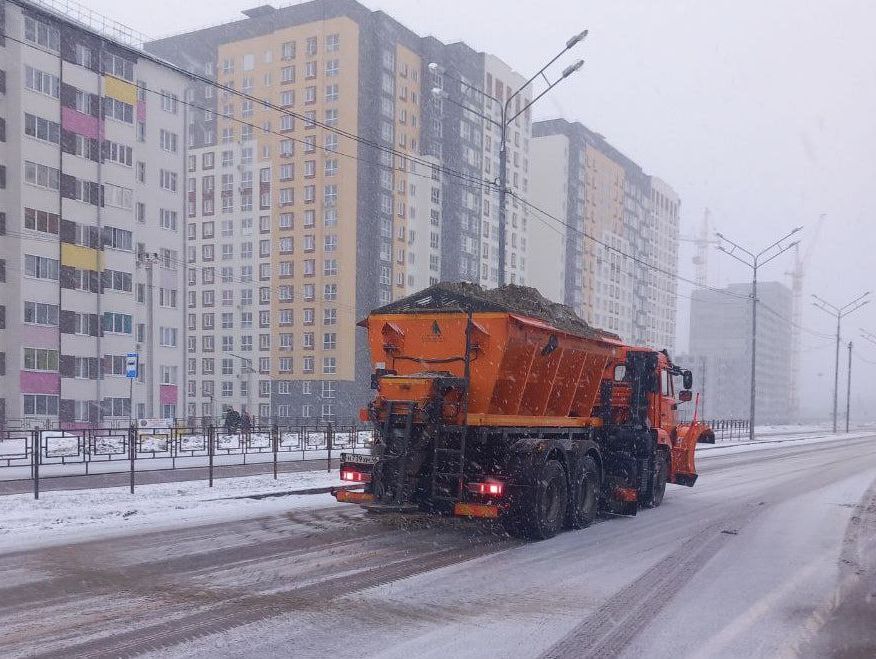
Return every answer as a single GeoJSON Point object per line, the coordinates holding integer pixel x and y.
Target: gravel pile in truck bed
{"type": "Point", "coordinates": [527, 301]}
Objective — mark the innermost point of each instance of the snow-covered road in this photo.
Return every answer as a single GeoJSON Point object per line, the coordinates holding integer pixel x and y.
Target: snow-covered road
{"type": "Point", "coordinates": [770, 554]}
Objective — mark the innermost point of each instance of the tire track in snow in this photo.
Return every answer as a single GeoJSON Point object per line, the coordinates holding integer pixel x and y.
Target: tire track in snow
{"type": "Point", "coordinates": [249, 609]}
{"type": "Point", "coordinates": [614, 624]}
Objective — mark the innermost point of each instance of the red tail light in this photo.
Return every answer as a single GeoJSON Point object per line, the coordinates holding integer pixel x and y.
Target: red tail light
{"type": "Point", "coordinates": [487, 488]}
{"type": "Point", "coordinates": [355, 476]}
{"type": "Point", "coordinates": [363, 414]}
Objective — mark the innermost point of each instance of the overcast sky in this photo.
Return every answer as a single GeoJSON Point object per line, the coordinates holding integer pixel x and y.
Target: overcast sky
{"type": "Point", "coordinates": [764, 111]}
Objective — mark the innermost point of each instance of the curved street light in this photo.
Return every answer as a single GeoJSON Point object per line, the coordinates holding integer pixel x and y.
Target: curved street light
{"type": "Point", "coordinates": [506, 120]}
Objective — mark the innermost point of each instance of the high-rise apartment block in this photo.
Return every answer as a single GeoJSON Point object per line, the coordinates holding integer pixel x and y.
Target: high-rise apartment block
{"type": "Point", "coordinates": [720, 351]}
{"type": "Point", "coordinates": [613, 254]}
{"type": "Point", "coordinates": [344, 184]}
{"type": "Point", "coordinates": [91, 216]}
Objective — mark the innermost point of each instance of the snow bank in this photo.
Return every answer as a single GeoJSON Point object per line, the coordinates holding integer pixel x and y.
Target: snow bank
{"type": "Point", "coordinates": [65, 516]}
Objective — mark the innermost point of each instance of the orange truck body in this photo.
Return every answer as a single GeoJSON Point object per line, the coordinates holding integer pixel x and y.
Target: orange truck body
{"type": "Point", "coordinates": [497, 392]}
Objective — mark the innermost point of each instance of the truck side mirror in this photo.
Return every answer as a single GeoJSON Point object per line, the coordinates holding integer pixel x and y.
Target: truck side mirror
{"type": "Point", "coordinates": [687, 379]}
{"type": "Point", "coordinates": [685, 395]}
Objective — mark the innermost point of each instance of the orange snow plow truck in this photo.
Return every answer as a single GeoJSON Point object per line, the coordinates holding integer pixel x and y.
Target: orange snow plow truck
{"type": "Point", "coordinates": [500, 404]}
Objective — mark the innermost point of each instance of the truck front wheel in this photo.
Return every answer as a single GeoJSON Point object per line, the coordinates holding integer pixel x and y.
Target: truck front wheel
{"type": "Point", "coordinates": [658, 485]}
{"type": "Point", "coordinates": [544, 506]}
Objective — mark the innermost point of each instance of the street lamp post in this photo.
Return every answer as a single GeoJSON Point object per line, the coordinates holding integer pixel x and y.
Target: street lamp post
{"type": "Point", "coordinates": [506, 121]}
{"type": "Point", "coordinates": [840, 313]}
{"type": "Point", "coordinates": [755, 261]}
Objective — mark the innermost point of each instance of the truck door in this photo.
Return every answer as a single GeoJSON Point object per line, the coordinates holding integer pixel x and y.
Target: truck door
{"type": "Point", "coordinates": [667, 400]}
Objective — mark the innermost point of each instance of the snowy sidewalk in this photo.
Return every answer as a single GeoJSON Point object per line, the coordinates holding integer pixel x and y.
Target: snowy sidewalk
{"type": "Point", "coordinates": [67, 516]}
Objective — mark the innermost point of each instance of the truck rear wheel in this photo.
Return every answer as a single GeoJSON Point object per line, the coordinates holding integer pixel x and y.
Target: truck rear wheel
{"type": "Point", "coordinates": [658, 485]}
{"type": "Point", "coordinates": [544, 509]}
{"type": "Point", "coordinates": [584, 494]}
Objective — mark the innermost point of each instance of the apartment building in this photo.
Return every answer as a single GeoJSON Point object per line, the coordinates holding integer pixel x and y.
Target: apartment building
{"type": "Point", "coordinates": [618, 234]}
{"type": "Point", "coordinates": [91, 216]}
{"type": "Point", "coordinates": [720, 351]}
{"type": "Point", "coordinates": [368, 189]}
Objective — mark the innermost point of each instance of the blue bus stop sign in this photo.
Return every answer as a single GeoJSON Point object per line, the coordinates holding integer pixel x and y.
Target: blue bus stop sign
{"type": "Point", "coordinates": [131, 363]}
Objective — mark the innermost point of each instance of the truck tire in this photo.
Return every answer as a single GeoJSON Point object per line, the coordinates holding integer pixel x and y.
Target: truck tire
{"type": "Point", "coordinates": [584, 490]}
{"type": "Point", "coordinates": [658, 485]}
{"type": "Point", "coordinates": [544, 506]}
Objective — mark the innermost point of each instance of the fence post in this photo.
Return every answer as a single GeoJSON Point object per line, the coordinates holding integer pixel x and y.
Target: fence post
{"type": "Point", "coordinates": [35, 456]}
{"type": "Point", "coordinates": [211, 438]}
{"type": "Point", "coordinates": [328, 446]}
{"type": "Point", "coordinates": [132, 451]}
{"type": "Point", "coordinates": [275, 445]}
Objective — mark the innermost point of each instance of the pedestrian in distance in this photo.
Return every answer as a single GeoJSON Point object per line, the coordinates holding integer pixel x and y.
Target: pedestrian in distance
{"type": "Point", "coordinates": [232, 420]}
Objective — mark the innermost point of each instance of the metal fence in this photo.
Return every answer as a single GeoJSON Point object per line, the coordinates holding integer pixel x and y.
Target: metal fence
{"type": "Point", "coordinates": [724, 429]}
{"type": "Point", "coordinates": [48, 453]}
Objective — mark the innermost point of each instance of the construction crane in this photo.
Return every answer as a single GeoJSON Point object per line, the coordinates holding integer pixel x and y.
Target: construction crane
{"type": "Point", "coordinates": [797, 274]}
{"type": "Point", "coordinates": [702, 242]}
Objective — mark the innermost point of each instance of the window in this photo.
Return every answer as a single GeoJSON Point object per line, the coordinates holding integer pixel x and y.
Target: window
{"type": "Point", "coordinates": [311, 46]}
{"type": "Point", "coordinates": [116, 280]}
{"type": "Point", "coordinates": [169, 102]}
{"type": "Point", "coordinates": [167, 180]}
{"type": "Point", "coordinates": [167, 297]}
{"type": "Point", "coordinates": [37, 220]}
{"type": "Point", "coordinates": [332, 66]}
{"type": "Point", "coordinates": [287, 75]}
{"type": "Point", "coordinates": [167, 336]}
{"type": "Point", "coordinates": [331, 167]}
{"type": "Point", "coordinates": [123, 155]}
{"type": "Point", "coordinates": [329, 388]}
{"type": "Point", "coordinates": [118, 197]}
{"type": "Point", "coordinates": [44, 83]}
{"type": "Point", "coordinates": [116, 323]}
{"type": "Point", "coordinates": [42, 129]}
{"type": "Point", "coordinates": [330, 317]}
{"type": "Point", "coordinates": [330, 195]}
{"type": "Point", "coordinates": [118, 110]}
{"type": "Point", "coordinates": [330, 267]}
{"type": "Point", "coordinates": [329, 341]}
{"type": "Point", "coordinates": [288, 50]}
{"type": "Point", "coordinates": [167, 375]}
{"type": "Point", "coordinates": [38, 313]}
{"type": "Point", "coordinates": [40, 359]}
{"type": "Point", "coordinates": [41, 34]}
{"type": "Point", "coordinates": [329, 365]}
{"type": "Point", "coordinates": [40, 267]}
{"type": "Point", "coordinates": [118, 66]}
{"type": "Point", "coordinates": [168, 140]}
{"type": "Point", "coordinates": [40, 404]}
{"type": "Point", "coordinates": [42, 176]}
{"type": "Point", "coordinates": [118, 238]}
{"type": "Point", "coordinates": [330, 292]}
{"type": "Point", "coordinates": [332, 43]}
{"type": "Point", "coordinates": [331, 93]}
{"type": "Point", "coordinates": [168, 219]}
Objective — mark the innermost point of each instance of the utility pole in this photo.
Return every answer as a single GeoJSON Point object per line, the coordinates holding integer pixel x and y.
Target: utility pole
{"type": "Point", "coordinates": [754, 262]}
{"type": "Point", "coordinates": [849, 388]}
{"type": "Point", "coordinates": [506, 121]}
{"type": "Point", "coordinates": [149, 261]}
{"type": "Point", "coordinates": [840, 313]}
